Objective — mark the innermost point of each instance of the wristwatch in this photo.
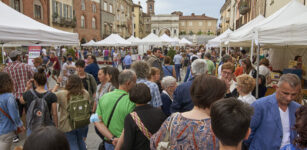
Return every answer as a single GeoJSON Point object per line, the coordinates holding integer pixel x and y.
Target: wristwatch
{"type": "Point", "coordinates": [112, 139]}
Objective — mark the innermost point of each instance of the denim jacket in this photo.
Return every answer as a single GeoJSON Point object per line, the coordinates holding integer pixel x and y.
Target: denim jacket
{"type": "Point", "coordinates": [8, 104]}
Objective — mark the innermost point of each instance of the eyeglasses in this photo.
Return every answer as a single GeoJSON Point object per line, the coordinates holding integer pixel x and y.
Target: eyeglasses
{"type": "Point", "coordinates": [227, 73]}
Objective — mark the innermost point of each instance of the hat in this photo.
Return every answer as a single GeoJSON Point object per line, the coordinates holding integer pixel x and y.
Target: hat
{"type": "Point", "coordinates": [14, 53]}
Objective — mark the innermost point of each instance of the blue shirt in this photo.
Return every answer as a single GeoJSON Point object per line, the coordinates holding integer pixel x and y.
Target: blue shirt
{"type": "Point", "coordinates": [8, 104]}
{"type": "Point", "coordinates": [154, 92]}
{"type": "Point", "coordinates": [92, 69]}
{"type": "Point", "coordinates": [177, 59]}
{"type": "Point", "coordinates": [167, 102]}
{"type": "Point", "coordinates": [127, 60]}
{"type": "Point", "coordinates": [167, 70]}
{"type": "Point", "coordinates": [182, 98]}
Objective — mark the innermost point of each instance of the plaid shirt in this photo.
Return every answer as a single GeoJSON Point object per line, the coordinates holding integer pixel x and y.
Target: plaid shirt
{"type": "Point", "coordinates": [154, 92]}
{"type": "Point", "coordinates": [20, 73]}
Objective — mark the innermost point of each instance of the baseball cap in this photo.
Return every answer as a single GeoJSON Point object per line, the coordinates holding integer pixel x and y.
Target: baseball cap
{"type": "Point", "coordinates": [14, 53]}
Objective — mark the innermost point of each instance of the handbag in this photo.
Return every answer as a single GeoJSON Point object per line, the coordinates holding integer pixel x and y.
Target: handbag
{"type": "Point", "coordinates": [102, 145]}
{"type": "Point", "coordinates": [19, 130]}
{"type": "Point", "coordinates": [165, 143]}
{"type": "Point", "coordinates": [140, 124]}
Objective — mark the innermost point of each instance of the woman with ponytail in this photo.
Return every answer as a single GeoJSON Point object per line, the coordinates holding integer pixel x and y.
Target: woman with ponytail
{"type": "Point", "coordinates": [39, 81]}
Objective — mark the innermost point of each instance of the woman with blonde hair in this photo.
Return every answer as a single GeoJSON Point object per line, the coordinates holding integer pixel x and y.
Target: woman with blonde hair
{"type": "Point", "coordinates": [245, 86]}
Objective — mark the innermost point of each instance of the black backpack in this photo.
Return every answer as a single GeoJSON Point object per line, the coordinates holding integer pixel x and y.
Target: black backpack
{"type": "Point", "coordinates": [38, 113]}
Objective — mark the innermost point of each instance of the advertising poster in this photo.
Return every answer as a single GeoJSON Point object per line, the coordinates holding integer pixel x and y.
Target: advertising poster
{"type": "Point", "coordinates": [34, 51]}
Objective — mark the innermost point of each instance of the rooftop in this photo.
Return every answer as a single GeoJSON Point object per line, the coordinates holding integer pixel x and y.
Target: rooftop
{"type": "Point", "coordinates": [196, 17]}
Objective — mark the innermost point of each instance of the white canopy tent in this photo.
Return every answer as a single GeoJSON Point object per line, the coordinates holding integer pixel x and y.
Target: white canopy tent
{"type": "Point", "coordinates": [151, 39]}
{"type": "Point", "coordinates": [217, 41]}
{"type": "Point", "coordinates": [133, 40]}
{"type": "Point", "coordinates": [90, 43]}
{"type": "Point", "coordinates": [113, 40]}
{"type": "Point", "coordinates": [184, 41]}
{"type": "Point", "coordinates": [169, 40]}
{"type": "Point", "coordinates": [18, 28]}
{"type": "Point", "coordinates": [243, 36]}
{"type": "Point", "coordinates": [287, 27]}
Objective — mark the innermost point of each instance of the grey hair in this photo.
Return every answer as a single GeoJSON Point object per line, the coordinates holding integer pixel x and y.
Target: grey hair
{"type": "Point", "coordinates": [198, 67]}
{"type": "Point", "coordinates": [125, 76]}
{"type": "Point", "coordinates": [167, 81]}
{"type": "Point", "coordinates": [141, 69]}
{"type": "Point", "coordinates": [292, 79]}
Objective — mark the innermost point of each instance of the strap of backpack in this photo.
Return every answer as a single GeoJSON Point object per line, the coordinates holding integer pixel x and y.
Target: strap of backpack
{"type": "Point", "coordinates": [140, 124]}
{"type": "Point", "coordinates": [35, 95]}
{"type": "Point", "coordinates": [168, 70]}
{"type": "Point", "coordinates": [112, 112]}
{"type": "Point", "coordinates": [5, 114]}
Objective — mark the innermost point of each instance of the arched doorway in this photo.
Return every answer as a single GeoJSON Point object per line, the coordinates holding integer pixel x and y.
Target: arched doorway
{"type": "Point", "coordinates": [165, 31]}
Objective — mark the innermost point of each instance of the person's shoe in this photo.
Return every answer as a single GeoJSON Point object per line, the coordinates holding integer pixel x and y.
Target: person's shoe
{"type": "Point", "coordinates": [16, 139]}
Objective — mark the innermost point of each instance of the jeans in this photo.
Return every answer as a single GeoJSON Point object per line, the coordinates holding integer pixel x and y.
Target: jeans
{"type": "Point", "coordinates": [109, 146]}
{"type": "Point", "coordinates": [6, 140]}
{"type": "Point", "coordinates": [127, 66]}
{"type": "Point", "coordinates": [75, 138]}
{"type": "Point", "coordinates": [177, 69]}
{"type": "Point", "coordinates": [121, 60]}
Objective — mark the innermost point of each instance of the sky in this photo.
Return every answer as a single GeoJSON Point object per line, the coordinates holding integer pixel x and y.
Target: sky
{"type": "Point", "coordinates": [210, 7]}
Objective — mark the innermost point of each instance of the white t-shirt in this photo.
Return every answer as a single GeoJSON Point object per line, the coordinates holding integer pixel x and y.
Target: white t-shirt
{"type": "Point", "coordinates": [263, 70]}
{"type": "Point", "coordinates": [247, 98]}
{"type": "Point", "coordinates": [285, 121]}
{"type": "Point", "coordinates": [69, 71]}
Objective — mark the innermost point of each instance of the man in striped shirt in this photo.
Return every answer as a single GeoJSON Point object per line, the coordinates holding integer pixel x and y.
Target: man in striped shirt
{"type": "Point", "coordinates": [20, 73]}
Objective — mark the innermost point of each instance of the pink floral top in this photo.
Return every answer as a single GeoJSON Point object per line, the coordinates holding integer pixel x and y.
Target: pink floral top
{"type": "Point", "coordinates": [186, 134]}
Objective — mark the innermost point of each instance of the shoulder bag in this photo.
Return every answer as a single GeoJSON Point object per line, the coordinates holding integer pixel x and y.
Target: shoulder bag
{"type": "Point", "coordinates": [101, 145]}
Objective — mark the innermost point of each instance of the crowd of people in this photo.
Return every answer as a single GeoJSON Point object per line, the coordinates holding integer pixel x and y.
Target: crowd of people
{"type": "Point", "coordinates": [145, 104]}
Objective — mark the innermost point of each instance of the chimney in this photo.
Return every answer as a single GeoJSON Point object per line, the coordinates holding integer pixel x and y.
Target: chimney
{"type": "Point", "coordinates": [139, 3]}
{"type": "Point", "coordinates": [203, 14]}
{"type": "Point", "coordinates": [193, 14]}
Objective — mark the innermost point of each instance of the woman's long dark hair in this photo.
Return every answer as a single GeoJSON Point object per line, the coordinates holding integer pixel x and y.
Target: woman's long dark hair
{"type": "Point", "coordinates": [6, 83]}
{"type": "Point", "coordinates": [40, 76]}
{"type": "Point", "coordinates": [248, 64]}
{"type": "Point", "coordinates": [74, 86]}
{"type": "Point", "coordinates": [113, 73]}
{"type": "Point", "coordinates": [301, 127]}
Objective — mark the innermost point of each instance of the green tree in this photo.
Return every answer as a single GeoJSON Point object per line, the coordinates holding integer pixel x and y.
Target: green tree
{"type": "Point", "coordinates": [199, 32]}
{"type": "Point", "coordinates": [171, 53]}
{"type": "Point", "coordinates": [191, 33]}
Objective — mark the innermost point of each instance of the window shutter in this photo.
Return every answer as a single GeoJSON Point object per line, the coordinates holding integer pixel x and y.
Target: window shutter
{"type": "Point", "coordinates": [61, 10]}
{"type": "Point", "coordinates": [70, 10]}
{"type": "Point", "coordinates": [65, 11]}
{"type": "Point", "coordinates": [53, 6]}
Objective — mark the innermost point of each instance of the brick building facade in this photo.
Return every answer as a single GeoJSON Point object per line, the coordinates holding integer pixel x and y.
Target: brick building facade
{"type": "Point", "coordinates": [36, 9]}
{"type": "Point", "coordinates": [87, 13]}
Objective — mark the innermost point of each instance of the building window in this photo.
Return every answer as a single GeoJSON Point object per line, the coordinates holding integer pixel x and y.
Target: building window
{"type": "Point", "coordinates": [93, 23]}
{"type": "Point", "coordinates": [16, 4]}
{"type": "Point", "coordinates": [190, 23]}
{"type": "Point", "coordinates": [94, 8]}
{"type": "Point", "coordinates": [82, 5]}
{"type": "Point", "coordinates": [37, 12]}
{"type": "Point", "coordinates": [200, 23]}
{"type": "Point", "coordinates": [175, 31]}
{"type": "Point", "coordinates": [209, 23]}
{"type": "Point", "coordinates": [154, 31]}
{"type": "Point", "coordinates": [82, 22]}
{"type": "Point", "coordinates": [105, 6]}
{"type": "Point", "coordinates": [182, 23]}
{"type": "Point", "coordinates": [111, 9]}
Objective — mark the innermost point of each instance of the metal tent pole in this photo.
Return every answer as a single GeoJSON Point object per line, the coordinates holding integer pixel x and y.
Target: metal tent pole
{"type": "Point", "coordinates": [2, 52]}
{"type": "Point", "coordinates": [252, 51]}
{"type": "Point", "coordinates": [257, 79]}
